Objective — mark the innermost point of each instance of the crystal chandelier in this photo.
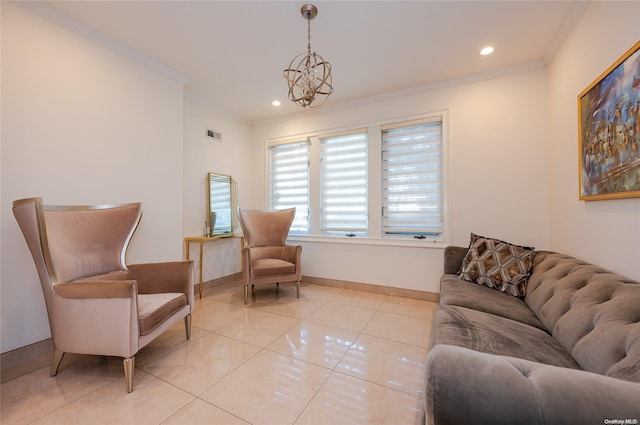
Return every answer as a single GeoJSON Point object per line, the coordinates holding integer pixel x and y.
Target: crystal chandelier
{"type": "Point", "coordinates": [308, 75]}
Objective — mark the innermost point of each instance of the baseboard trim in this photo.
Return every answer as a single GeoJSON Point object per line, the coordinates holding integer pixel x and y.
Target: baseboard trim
{"type": "Point", "coordinates": [378, 289]}
{"type": "Point", "coordinates": [24, 360]}
{"type": "Point", "coordinates": [365, 287]}
{"type": "Point", "coordinates": [217, 282]}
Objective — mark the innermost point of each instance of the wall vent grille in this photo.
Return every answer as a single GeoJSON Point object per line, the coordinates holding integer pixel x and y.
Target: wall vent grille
{"type": "Point", "coordinates": [212, 134]}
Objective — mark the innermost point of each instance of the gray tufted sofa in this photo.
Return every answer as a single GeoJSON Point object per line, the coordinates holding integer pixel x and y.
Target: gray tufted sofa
{"type": "Point", "coordinates": [568, 353]}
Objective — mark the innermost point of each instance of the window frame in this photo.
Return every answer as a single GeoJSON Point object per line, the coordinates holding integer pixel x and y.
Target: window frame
{"type": "Point", "coordinates": [375, 235]}
{"type": "Point", "coordinates": [405, 232]}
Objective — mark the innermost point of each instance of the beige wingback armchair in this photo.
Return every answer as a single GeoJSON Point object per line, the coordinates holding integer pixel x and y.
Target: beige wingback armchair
{"type": "Point", "coordinates": [266, 257]}
{"type": "Point", "coordinates": [96, 304]}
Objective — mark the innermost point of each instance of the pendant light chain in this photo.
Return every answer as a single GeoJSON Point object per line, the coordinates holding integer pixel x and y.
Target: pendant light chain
{"type": "Point", "coordinates": [308, 36]}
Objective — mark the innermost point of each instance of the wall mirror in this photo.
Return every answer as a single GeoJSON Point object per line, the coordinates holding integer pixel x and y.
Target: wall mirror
{"type": "Point", "coordinates": [221, 204]}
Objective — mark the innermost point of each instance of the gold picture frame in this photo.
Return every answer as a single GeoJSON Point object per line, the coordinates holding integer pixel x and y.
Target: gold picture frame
{"type": "Point", "coordinates": [609, 132]}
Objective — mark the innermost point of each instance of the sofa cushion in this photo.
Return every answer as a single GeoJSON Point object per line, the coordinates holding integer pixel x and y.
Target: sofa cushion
{"type": "Point", "coordinates": [454, 291]}
{"type": "Point", "coordinates": [493, 334]}
{"type": "Point", "coordinates": [498, 264]}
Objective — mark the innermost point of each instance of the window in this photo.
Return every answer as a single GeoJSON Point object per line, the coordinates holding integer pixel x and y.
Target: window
{"type": "Point", "coordinates": [289, 181]}
{"type": "Point", "coordinates": [343, 184]}
{"type": "Point", "coordinates": [383, 184]}
{"type": "Point", "coordinates": [412, 181]}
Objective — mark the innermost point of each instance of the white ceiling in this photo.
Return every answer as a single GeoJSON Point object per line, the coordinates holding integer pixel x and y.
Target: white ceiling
{"type": "Point", "coordinates": [232, 53]}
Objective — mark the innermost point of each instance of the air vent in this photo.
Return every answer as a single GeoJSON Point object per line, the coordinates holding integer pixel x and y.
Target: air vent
{"type": "Point", "coordinates": [212, 134]}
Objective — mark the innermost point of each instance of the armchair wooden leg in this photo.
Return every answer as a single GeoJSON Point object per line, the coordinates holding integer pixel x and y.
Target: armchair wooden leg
{"type": "Point", "coordinates": [55, 363]}
{"type": "Point", "coordinates": [298, 288]}
{"type": "Point", "coordinates": [187, 325]}
{"type": "Point", "coordinates": [128, 372]}
{"type": "Point", "coordinates": [245, 294]}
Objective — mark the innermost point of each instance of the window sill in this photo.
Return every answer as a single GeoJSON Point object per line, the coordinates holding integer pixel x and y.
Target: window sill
{"type": "Point", "coordinates": [362, 240]}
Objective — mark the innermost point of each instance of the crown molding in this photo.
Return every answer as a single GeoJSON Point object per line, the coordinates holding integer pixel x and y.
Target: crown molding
{"type": "Point", "coordinates": [568, 25]}
{"type": "Point", "coordinates": [214, 107]}
{"type": "Point", "coordinates": [438, 85]}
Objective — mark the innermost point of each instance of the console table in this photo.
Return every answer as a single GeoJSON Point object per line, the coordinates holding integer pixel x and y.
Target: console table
{"type": "Point", "coordinates": [201, 240]}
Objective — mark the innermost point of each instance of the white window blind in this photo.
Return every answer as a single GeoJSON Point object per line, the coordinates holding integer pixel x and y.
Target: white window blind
{"type": "Point", "coordinates": [412, 181]}
{"type": "Point", "coordinates": [289, 181]}
{"type": "Point", "coordinates": [343, 184]}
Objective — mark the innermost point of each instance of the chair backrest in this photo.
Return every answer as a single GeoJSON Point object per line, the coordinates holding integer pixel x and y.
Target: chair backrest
{"type": "Point", "coordinates": [266, 228]}
{"type": "Point", "coordinates": [72, 242]}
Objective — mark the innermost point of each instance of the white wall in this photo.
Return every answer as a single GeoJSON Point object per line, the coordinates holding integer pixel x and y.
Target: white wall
{"type": "Point", "coordinates": [203, 155]}
{"type": "Point", "coordinates": [605, 232]}
{"type": "Point", "coordinates": [497, 171]}
{"type": "Point", "coordinates": [81, 125]}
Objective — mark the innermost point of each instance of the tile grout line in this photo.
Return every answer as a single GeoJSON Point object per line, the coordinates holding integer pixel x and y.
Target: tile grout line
{"type": "Point", "coordinates": [261, 349]}
{"type": "Point", "coordinates": [333, 370]}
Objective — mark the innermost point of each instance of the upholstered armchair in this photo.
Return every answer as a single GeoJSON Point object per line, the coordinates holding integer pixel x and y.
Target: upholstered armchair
{"type": "Point", "coordinates": [266, 257]}
{"type": "Point", "coordinates": [96, 304]}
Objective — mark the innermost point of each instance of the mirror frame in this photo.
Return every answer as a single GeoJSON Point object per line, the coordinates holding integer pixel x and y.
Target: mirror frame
{"type": "Point", "coordinates": [212, 180]}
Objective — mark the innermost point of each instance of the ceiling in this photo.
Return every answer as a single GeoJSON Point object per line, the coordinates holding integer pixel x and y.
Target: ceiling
{"type": "Point", "coordinates": [232, 53]}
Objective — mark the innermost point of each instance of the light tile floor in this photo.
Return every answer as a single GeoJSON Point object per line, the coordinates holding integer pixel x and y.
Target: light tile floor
{"type": "Point", "coordinates": [334, 356]}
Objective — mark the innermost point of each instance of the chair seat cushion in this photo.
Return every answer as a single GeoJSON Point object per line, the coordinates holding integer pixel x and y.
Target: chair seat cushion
{"type": "Point", "coordinates": [153, 309]}
{"type": "Point", "coordinates": [271, 267]}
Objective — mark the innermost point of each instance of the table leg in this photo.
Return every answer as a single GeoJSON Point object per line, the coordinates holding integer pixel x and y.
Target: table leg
{"type": "Point", "coordinates": [201, 249]}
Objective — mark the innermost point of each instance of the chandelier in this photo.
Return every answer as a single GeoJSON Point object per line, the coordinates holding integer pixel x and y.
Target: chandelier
{"type": "Point", "coordinates": [308, 75]}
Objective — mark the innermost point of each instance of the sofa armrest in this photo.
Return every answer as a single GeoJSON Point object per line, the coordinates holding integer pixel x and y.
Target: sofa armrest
{"type": "Point", "coordinates": [465, 386]}
{"type": "Point", "coordinates": [453, 257]}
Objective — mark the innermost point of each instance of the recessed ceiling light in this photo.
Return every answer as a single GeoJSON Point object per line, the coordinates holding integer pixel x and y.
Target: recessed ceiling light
{"type": "Point", "coordinates": [487, 50]}
{"type": "Point", "coordinates": [276, 103]}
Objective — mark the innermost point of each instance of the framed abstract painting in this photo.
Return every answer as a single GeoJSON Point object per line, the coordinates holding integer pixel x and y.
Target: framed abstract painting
{"type": "Point", "coordinates": [609, 132]}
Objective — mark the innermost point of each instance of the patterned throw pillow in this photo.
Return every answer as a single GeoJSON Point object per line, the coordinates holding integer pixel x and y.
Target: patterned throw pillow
{"type": "Point", "coordinates": [498, 264]}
